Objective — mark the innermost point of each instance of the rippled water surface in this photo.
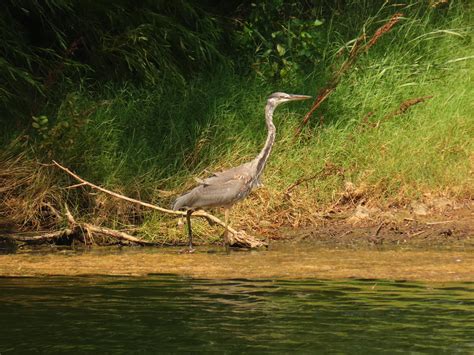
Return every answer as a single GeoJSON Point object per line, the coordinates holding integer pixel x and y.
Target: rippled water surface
{"type": "Point", "coordinates": [169, 313]}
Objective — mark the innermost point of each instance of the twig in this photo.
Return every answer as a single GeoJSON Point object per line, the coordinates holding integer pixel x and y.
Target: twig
{"type": "Point", "coordinates": [43, 237]}
{"type": "Point", "coordinates": [437, 222]}
{"type": "Point", "coordinates": [89, 228]}
{"type": "Point", "coordinates": [299, 182]}
{"type": "Point", "coordinates": [326, 170]}
{"type": "Point", "coordinates": [145, 204]}
{"type": "Point", "coordinates": [416, 234]}
{"type": "Point", "coordinates": [76, 228]}
{"type": "Point", "coordinates": [322, 96]}
{"type": "Point", "coordinates": [52, 210]}
{"type": "Point", "coordinates": [75, 186]}
{"type": "Point", "coordinates": [69, 216]}
{"type": "Point", "coordinates": [374, 238]}
{"type": "Point", "coordinates": [378, 229]}
{"type": "Point", "coordinates": [404, 106]}
{"type": "Point", "coordinates": [115, 234]}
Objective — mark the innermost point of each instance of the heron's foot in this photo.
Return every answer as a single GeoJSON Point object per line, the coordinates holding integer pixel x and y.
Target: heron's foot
{"type": "Point", "coordinates": [187, 251]}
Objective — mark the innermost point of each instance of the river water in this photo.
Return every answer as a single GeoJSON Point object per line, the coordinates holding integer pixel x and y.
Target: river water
{"type": "Point", "coordinates": [169, 313]}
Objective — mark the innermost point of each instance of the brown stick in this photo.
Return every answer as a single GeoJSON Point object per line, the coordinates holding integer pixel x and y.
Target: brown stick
{"type": "Point", "coordinates": [327, 170]}
{"type": "Point", "coordinates": [122, 197]}
{"type": "Point", "coordinates": [103, 230]}
{"type": "Point", "coordinates": [42, 237]}
{"type": "Point", "coordinates": [374, 238]}
{"type": "Point", "coordinates": [404, 106]}
{"type": "Point", "coordinates": [239, 238]}
{"type": "Point", "coordinates": [299, 182]}
{"type": "Point", "coordinates": [115, 234]}
{"type": "Point", "coordinates": [356, 50]}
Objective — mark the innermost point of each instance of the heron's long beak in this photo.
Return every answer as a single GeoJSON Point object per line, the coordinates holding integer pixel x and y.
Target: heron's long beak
{"type": "Point", "coordinates": [299, 97]}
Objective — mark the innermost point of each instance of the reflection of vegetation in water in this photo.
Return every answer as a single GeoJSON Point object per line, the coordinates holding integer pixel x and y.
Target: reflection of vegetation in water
{"type": "Point", "coordinates": [176, 314]}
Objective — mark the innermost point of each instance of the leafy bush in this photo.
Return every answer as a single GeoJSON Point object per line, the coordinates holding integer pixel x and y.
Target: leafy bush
{"type": "Point", "coordinates": [282, 38]}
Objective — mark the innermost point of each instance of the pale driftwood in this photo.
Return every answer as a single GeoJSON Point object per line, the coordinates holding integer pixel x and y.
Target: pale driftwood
{"type": "Point", "coordinates": [239, 238]}
{"type": "Point", "coordinates": [42, 237]}
{"type": "Point", "coordinates": [115, 234]}
{"type": "Point", "coordinates": [75, 227]}
{"type": "Point", "coordinates": [90, 228]}
{"type": "Point", "coordinates": [437, 222]}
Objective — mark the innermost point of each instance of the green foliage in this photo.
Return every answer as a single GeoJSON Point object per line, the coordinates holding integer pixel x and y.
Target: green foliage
{"type": "Point", "coordinates": [64, 132]}
{"type": "Point", "coordinates": [282, 38]}
{"type": "Point", "coordinates": [144, 140]}
{"type": "Point", "coordinates": [47, 46]}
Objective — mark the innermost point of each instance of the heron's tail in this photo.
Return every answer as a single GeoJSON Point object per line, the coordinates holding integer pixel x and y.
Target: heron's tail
{"type": "Point", "coordinates": [175, 205]}
{"type": "Point", "coordinates": [180, 202]}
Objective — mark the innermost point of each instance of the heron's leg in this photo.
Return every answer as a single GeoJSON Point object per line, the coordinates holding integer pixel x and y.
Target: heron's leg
{"type": "Point", "coordinates": [226, 231]}
{"type": "Point", "coordinates": [190, 231]}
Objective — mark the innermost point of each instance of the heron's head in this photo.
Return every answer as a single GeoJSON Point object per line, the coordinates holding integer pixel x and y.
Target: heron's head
{"type": "Point", "coordinates": [279, 97]}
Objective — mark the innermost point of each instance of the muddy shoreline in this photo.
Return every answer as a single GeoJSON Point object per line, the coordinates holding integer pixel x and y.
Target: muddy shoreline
{"type": "Point", "coordinates": [282, 262]}
{"type": "Point", "coordinates": [358, 227]}
{"type": "Point", "coordinates": [446, 231]}
{"type": "Point", "coordinates": [435, 248]}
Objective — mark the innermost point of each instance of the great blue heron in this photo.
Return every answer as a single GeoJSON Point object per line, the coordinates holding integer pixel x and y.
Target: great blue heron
{"type": "Point", "coordinates": [225, 188]}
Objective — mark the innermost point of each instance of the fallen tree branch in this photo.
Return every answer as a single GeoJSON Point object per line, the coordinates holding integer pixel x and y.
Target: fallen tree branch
{"type": "Point", "coordinates": [356, 50]}
{"type": "Point", "coordinates": [42, 237]}
{"type": "Point", "coordinates": [239, 238]}
{"type": "Point", "coordinates": [122, 197]}
{"type": "Point", "coordinates": [77, 228]}
{"type": "Point", "coordinates": [115, 234]}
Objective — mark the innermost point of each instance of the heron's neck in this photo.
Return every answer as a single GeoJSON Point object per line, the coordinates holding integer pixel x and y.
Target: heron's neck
{"type": "Point", "coordinates": [267, 148]}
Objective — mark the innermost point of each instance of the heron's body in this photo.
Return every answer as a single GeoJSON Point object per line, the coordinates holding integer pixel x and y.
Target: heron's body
{"type": "Point", "coordinates": [226, 188]}
{"type": "Point", "coordinates": [221, 190]}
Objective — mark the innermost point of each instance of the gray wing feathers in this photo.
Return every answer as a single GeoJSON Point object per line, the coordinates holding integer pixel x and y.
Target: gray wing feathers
{"type": "Point", "coordinates": [219, 192]}
{"type": "Point", "coordinates": [228, 175]}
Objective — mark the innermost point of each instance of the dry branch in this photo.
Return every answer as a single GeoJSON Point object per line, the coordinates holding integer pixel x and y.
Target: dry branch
{"type": "Point", "coordinates": [404, 106]}
{"type": "Point", "coordinates": [43, 237]}
{"type": "Point", "coordinates": [327, 170]}
{"type": "Point", "coordinates": [238, 238]}
{"type": "Point", "coordinates": [77, 228]}
{"type": "Point", "coordinates": [356, 50]}
{"type": "Point", "coordinates": [90, 228]}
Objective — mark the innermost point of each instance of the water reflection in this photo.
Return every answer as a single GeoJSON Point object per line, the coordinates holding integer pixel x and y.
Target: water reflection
{"type": "Point", "coordinates": [168, 313]}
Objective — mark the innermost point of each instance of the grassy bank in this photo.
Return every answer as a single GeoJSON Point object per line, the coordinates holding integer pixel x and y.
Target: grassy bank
{"type": "Point", "coordinates": [149, 142]}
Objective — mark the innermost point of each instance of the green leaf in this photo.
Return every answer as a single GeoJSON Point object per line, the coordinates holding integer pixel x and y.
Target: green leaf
{"type": "Point", "coordinates": [281, 50]}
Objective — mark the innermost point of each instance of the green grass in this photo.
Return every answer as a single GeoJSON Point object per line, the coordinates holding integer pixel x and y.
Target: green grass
{"type": "Point", "coordinates": [144, 141]}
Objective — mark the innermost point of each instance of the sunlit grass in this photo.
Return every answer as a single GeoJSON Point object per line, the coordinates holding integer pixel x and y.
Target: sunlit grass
{"type": "Point", "coordinates": [151, 142]}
